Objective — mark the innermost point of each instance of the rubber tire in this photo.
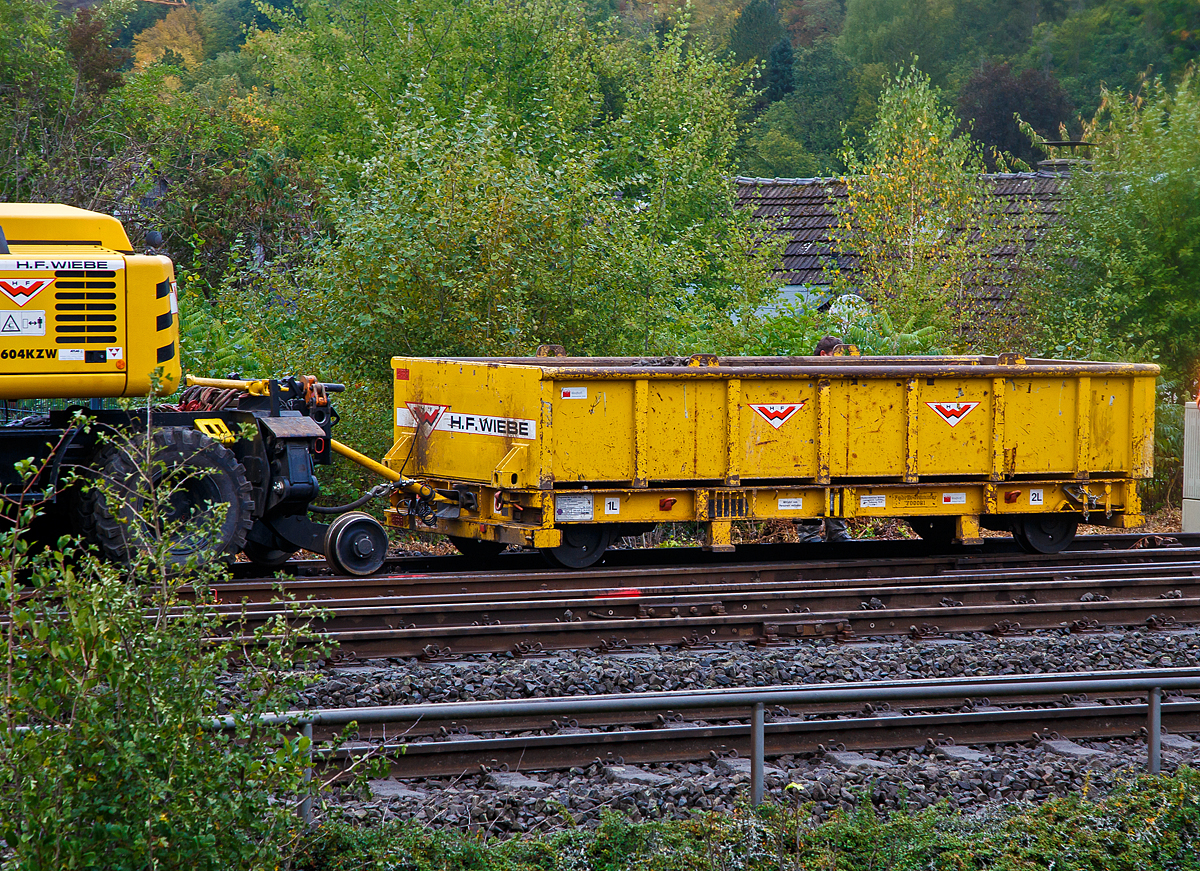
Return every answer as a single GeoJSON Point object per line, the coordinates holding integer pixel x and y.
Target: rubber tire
{"type": "Point", "coordinates": [477, 548]}
{"type": "Point", "coordinates": [340, 541]}
{"type": "Point", "coordinates": [939, 531]}
{"type": "Point", "coordinates": [583, 546]}
{"type": "Point", "coordinates": [221, 480]}
{"type": "Point", "coordinates": [267, 557]}
{"type": "Point", "coordinates": [1047, 533]}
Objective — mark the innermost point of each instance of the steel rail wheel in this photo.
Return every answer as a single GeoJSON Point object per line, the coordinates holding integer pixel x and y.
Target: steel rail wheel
{"type": "Point", "coordinates": [356, 544]}
{"type": "Point", "coordinates": [583, 546]}
{"type": "Point", "coordinates": [1046, 533]}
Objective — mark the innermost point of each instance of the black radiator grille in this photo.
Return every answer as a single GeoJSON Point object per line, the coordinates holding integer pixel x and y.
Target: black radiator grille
{"type": "Point", "coordinates": [85, 307]}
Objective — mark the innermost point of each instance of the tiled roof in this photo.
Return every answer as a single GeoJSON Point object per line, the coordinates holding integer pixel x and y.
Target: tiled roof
{"type": "Point", "coordinates": [804, 211]}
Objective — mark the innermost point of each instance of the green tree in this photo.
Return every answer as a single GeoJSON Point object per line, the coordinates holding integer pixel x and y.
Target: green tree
{"type": "Point", "coordinates": [831, 105]}
{"type": "Point", "coordinates": [1120, 273]}
{"type": "Point", "coordinates": [757, 30]}
{"type": "Point", "coordinates": [918, 222]}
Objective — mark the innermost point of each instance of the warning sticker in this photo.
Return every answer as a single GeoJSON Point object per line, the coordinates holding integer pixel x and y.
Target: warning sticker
{"type": "Point", "coordinates": [778, 413]}
{"type": "Point", "coordinates": [22, 290]}
{"type": "Point", "coordinates": [441, 419]}
{"type": "Point", "coordinates": [573, 506]}
{"type": "Point", "coordinates": [30, 323]}
{"type": "Point", "coordinates": [952, 412]}
{"type": "Point", "coordinates": [873, 501]}
{"type": "Point", "coordinates": [574, 393]}
{"type": "Point", "coordinates": [954, 498]}
{"type": "Point", "coordinates": [791, 503]}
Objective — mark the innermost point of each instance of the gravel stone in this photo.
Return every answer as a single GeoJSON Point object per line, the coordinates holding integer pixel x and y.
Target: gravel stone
{"type": "Point", "coordinates": [637, 776]}
{"type": "Point", "coordinates": [962, 754]}
{"type": "Point", "coordinates": [1070, 749]}
{"type": "Point", "coordinates": [855, 761]}
{"type": "Point", "coordinates": [513, 780]}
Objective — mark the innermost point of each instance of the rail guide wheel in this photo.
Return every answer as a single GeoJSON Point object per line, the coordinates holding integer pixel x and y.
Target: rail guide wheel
{"type": "Point", "coordinates": [583, 545]}
{"type": "Point", "coordinates": [356, 544]}
{"type": "Point", "coordinates": [1047, 533]}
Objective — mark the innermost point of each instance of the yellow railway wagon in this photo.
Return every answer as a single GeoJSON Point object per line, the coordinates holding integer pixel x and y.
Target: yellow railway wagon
{"type": "Point", "coordinates": [565, 453]}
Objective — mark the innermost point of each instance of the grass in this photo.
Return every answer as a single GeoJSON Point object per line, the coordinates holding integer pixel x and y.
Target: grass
{"type": "Point", "coordinates": [1151, 824]}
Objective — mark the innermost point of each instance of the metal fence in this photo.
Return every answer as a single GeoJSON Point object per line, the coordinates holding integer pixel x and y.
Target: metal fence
{"type": "Point", "coordinates": [1152, 683]}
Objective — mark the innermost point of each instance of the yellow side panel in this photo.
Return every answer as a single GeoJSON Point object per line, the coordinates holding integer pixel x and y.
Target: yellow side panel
{"type": "Point", "coordinates": [954, 419]}
{"type": "Point", "coordinates": [593, 430]}
{"type": "Point", "coordinates": [469, 419]}
{"type": "Point", "coordinates": [1040, 425]}
{"type": "Point", "coordinates": [779, 429]}
{"type": "Point", "coordinates": [867, 428]}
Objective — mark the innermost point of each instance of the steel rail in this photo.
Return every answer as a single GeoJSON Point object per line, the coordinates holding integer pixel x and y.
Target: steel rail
{"type": "Point", "coordinates": [403, 640]}
{"type": "Point", "coordinates": [438, 575]}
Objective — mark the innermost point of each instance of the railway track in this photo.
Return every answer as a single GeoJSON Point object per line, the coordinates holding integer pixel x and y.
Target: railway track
{"type": "Point", "coordinates": [764, 603]}
{"type": "Point", "coordinates": [442, 746]}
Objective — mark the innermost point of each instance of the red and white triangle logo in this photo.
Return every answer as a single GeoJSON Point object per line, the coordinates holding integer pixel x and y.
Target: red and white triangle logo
{"type": "Point", "coordinates": [952, 412]}
{"type": "Point", "coordinates": [22, 290]}
{"type": "Point", "coordinates": [426, 415]}
{"type": "Point", "coordinates": [778, 413]}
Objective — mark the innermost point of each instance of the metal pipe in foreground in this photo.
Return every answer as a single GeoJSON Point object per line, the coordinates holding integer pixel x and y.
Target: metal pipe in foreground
{"type": "Point", "coordinates": [1154, 733]}
{"type": "Point", "coordinates": [1150, 682]}
{"type": "Point", "coordinates": [758, 744]}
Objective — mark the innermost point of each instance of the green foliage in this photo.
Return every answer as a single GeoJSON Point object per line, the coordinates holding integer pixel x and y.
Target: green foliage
{"type": "Point", "coordinates": [831, 105]}
{"type": "Point", "coordinates": [111, 676]}
{"type": "Point", "coordinates": [1151, 825]}
{"type": "Point", "coordinates": [918, 221]}
{"type": "Point", "coordinates": [608, 227]}
{"type": "Point", "coordinates": [1120, 273]}
{"type": "Point", "coordinates": [795, 330]}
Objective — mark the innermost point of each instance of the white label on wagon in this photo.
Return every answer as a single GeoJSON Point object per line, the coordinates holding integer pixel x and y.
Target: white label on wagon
{"type": "Point", "coordinates": [1036, 498]}
{"type": "Point", "coordinates": [573, 506]}
{"type": "Point", "coordinates": [441, 418]}
{"type": "Point", "coordinates": [612, 504]}
{"type": "Point", "coordinates": [875, 501]}
{"type": "Point", "coordinates": [954, 498]}
{"type": "Point", "coordinates": [791, 503]}
{"type": "Point", "coordinates": [574, 393]}
{"type": "Point", "coordinates": [71, 355]}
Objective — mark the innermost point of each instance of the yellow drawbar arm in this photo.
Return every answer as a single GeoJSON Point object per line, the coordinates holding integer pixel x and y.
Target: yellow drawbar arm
{"type": "Point", "coordinates": [408, 485]}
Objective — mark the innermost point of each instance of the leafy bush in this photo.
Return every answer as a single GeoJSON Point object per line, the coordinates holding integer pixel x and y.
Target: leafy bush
{"type": "Point", "coordinates": [111, 677]}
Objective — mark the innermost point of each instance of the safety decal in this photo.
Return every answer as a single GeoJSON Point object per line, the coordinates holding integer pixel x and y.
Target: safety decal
{"type": "Point", "coordinates": [440, 418]}
{"type": "Point", "coordinates": [952, 412]}
{"type": "Point", "coordinates": [22, 290]}
{"type": "Point", "coordinates": [778, 413]}
{"type": "Point", "coordinates": [30, 323]}
{"type": "Point", "coordinates": [791, 503]}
